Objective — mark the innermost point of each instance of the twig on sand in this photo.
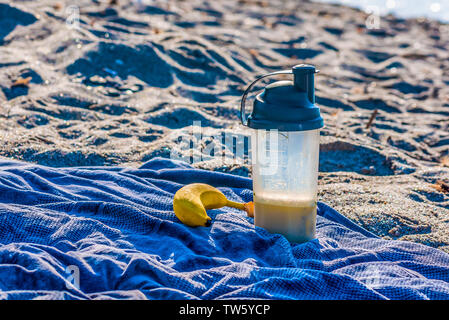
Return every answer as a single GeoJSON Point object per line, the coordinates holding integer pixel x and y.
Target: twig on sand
{"type": "Point", "coordinates": [253, 52]}
{"type": "Point", "coordinates": [57, 6]}
{"type": "Point", "coordinates": [22, 82]}
{"type": "Point", "coordinates": [44, 140]}
{"type": "Point", "coordinates": [336, 112]}
{"type": "Point", "coordinates": [441, 186]}
{"type": "Point", "coordinates": [445, 161]}
{"type": "Point", "coordinates": [371, 119]}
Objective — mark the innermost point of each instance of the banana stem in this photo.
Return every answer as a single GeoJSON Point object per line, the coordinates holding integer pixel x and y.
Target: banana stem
{"type": "Point", "coordinates": [236, 205]}
{"type": "Point", "coordinates": [248, 207]}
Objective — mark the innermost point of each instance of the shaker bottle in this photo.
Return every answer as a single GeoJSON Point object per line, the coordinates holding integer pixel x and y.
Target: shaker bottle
{"type": "Point", "coordinates": [285, 151]}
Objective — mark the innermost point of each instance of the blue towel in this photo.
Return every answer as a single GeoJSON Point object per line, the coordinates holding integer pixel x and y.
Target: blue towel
{"type": "Point", "coordinates": [102, 232]}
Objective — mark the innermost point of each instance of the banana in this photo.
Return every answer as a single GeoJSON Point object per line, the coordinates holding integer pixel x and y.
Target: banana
{"type": "Point", "coordinates": [191, 202]}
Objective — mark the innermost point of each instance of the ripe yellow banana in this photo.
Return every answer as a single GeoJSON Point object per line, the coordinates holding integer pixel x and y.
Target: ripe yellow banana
{"type": "Point", "coordinates": [191, 202]}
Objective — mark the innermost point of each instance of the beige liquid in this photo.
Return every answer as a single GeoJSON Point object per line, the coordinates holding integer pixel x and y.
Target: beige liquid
{"type": "Point", "coordinates": [293, 218]}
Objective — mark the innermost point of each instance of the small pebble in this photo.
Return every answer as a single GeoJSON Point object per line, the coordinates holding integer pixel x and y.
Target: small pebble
{"type": "Point", "coordinates": [369, 170]}
{"type": "Point", "coordinates": [395, 232]}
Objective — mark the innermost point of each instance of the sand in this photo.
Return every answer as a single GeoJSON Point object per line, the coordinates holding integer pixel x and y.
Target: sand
{"type": "Point", "coordinates": [124, 85]}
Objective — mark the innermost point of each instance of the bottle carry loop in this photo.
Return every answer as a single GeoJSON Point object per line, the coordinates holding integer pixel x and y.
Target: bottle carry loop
{"type": "Point", "coordinates": [243, 117]}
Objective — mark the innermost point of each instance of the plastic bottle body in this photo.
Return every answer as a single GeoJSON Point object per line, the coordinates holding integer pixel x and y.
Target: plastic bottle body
{"type": "Point", "coordinates": [285, 178]}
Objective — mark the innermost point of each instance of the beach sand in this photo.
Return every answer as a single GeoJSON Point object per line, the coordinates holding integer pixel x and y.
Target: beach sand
{"type": "Point", "coordinates": [121, 86]}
